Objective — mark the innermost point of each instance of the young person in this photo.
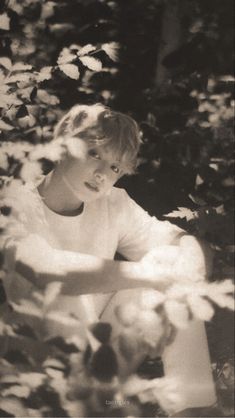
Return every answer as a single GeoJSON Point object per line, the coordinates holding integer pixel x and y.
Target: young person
{"type": "Point", "coordinates": [82, 220]}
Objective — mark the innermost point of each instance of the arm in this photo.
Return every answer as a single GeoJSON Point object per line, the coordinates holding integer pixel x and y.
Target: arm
{"type": "Point", "coordinates": [187, 258]}
{"type": "Point", "coordinates": [80, 273]}
{"type": "Point", "coordinates": [195, 258]}
{"type": "Point", "coordinates": [160, 242]}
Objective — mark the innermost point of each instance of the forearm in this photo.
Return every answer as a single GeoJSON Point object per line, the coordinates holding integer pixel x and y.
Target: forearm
{"type": "Point", "coordinates": [82, 273]}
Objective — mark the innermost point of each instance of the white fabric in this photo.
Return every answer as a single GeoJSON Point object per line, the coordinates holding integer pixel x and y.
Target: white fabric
{"type": "Point", "coordinates": [113, 223]}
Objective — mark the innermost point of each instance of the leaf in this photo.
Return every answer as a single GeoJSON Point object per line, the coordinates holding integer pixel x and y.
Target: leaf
{"type": "Point", "coordinates": [44, 74]}
{"type": "Point", "coordinates": [4, 22]}
{"type": "Point", "coordinates": [128, 344]}
{"type": "Point", "coordinates": [85, 49]}
{"type": "Point", "coordinates": [53, 151]}
{"type": "Point", "coordinates": [30, 171]}
{"type": "Point", "coordinates": [66, 57]}
{"type": "Point", "coordinates": [70, 70]}
{"type": "Point", "coordinates": [26, 121]}
{"type": "Point", "coordinates": [25, 330]}
{"type": "Point", "coordinates": [47, 9]}
{"type": "Point", "coordinates": [7, 100]}
{"type": "Point", "coordinates": [177, 313]}
{"type": "Point", "coordinates": [61, 27]}
{"type": "Point", "coordinates": [6, 62]}
{"type": "Point", "coordinates": [28, 308]}
{"type": "Point", "coordinates": [63, 318]}
{"type": "Point", "coordinates": [224, 301]}
{"type": "Point", "coordinates": [197, 200]}
{"type": "Point", "coordinates": [228, 182]}
{"type": "Point", "coordinates": [200, 307]}
{"type": "Point", "coordinates": [199, 180]}
{"type": "Point", "coordinates": [151, 298]}
{"type": "Point", "coordinates": [149, 327]}
{"type": "Point", "coordinates": [47, 98]}
{"type": "Point", "coordinates": [92, 63]}
{"type": "Point", "coordinates": [18, 391]}
{"type": "Point", "coordinates": [52, 291]}
{"type": "Point", "coordinates": [22, 112]}
{"type": "Point", "coordinates": [53, 363]}
{"type": "Point", "coordinates": [104, 365]}
{"type": "Point", "coordinates": [127, 313]}
{"type": "Point", "coordinates": [20, 66]}
{"type": "Point", "coordinates": [32, 379]}
{"type": "Point", "coordinates": [25, 77]}
{"type": "Point", "coordinates": [33, 93]}
{"type": "Point", "coordinates": [13, 406]}
{"type": "Point", "coordinates": [13, 5]}
{"type": "Point", "coordinates": [111, 49]}
{"type": "Point", "coordinates": [181, 213]}
{"type": "Point", "coordinates": [5, 126]}
{"type": "Point", "coordinates": [226, 286]}
{"type": "Point", "coordinates": [101, 331]}
{"type": "Point", "coordinates": [227, 78]}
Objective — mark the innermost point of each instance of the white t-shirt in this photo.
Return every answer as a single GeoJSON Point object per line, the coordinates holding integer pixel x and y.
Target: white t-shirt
{"type": "Point", "coordinates": [107, 225]}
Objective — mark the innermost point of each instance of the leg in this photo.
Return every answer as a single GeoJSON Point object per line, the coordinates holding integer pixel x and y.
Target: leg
{"type": "Point", "coordinates": [186, 359]}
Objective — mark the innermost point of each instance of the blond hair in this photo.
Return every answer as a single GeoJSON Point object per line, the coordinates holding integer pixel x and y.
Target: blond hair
{"type": "Point", "coordinates": [100, 125]}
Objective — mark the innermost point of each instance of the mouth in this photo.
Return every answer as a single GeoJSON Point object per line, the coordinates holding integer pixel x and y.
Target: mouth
{"type": "Point", "coordinates": [92, 187]}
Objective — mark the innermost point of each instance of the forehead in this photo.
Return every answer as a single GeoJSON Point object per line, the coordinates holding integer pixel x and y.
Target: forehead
{"type": "Point", "coordinates": [108, 152]}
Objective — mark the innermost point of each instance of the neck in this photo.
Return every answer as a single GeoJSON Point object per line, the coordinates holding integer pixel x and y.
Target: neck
{"type": "Point", "coordinates": [59, 196]}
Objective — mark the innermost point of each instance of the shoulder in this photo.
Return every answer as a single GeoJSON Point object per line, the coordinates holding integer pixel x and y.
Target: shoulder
{"type": "Point", "coordinates": [119, 198]}
{"type": "Point", "coordinates": [117, 194]}
{"type": "Point", "coordinates": [23, 200]}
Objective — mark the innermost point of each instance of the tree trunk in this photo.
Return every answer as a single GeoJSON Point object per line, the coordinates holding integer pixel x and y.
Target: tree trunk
{"type": "Point", "coordinates": [170, 38]}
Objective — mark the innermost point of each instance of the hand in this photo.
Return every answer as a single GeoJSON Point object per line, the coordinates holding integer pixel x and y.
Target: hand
{"type": "Point", "coordinates": [189, 260]}
{"type": "Point", "coordinates": [159, 264]}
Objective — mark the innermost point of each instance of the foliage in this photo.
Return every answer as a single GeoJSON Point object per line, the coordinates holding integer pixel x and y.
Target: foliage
{"type": "Point", "coordinates": [55, 54]}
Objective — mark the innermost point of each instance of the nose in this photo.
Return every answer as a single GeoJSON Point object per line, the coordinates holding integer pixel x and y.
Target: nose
{"type": "Point", "coordinates": [100, 175]}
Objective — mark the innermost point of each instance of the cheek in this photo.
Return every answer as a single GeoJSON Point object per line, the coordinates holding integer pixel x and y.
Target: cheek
{"type": "Point", "coordinates": [113, 178]}
{"type": "Point", "coordinates": [79, 168]}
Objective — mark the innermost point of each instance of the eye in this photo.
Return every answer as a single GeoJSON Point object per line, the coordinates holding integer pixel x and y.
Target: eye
{"type": "Point", "coordinates": [115, 169]}
{"type": "Point", "coordinates": [94, 154]}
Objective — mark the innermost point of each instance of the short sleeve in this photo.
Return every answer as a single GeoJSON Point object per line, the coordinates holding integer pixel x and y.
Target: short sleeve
{"type": "Point", "coordinates": [140, 232]}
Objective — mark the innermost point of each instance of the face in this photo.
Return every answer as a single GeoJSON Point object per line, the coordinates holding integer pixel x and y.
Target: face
{"type": "Point", "coordinates": [92, 173]}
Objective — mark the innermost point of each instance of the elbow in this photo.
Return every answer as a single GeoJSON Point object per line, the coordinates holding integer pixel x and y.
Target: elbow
{"type": "Point", "coordinates": [199, 252]}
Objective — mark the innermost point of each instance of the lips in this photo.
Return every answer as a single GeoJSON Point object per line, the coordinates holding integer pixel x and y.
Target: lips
{"type": "Point", "coordinates": [92, 187]}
